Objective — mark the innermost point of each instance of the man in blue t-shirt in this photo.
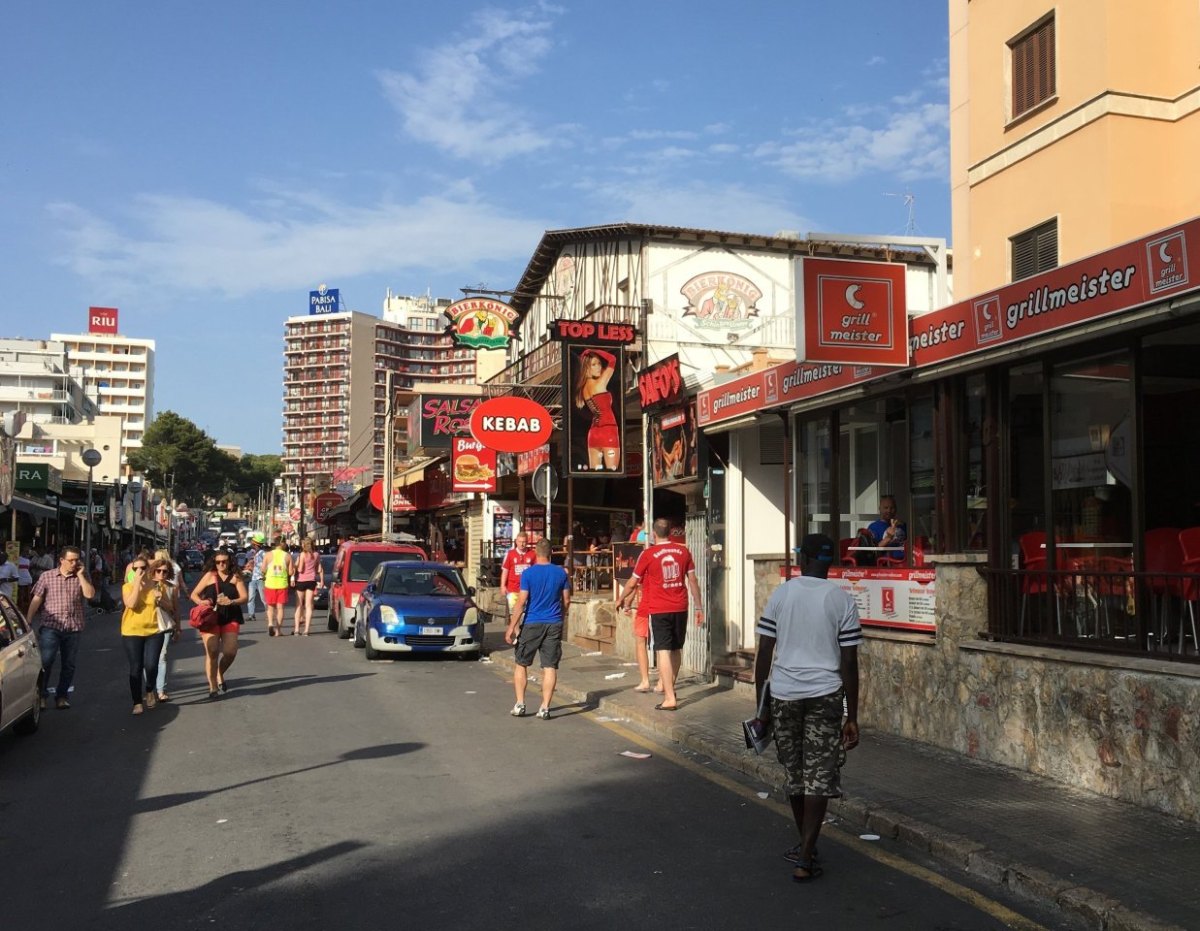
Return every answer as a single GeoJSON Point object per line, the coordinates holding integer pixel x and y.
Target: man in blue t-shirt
{"type": "Point", "coordinates": [537, 625]}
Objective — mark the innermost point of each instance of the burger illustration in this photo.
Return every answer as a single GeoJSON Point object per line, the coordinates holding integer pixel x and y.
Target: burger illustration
{"type": "Point", "coordinates": [468, 468]}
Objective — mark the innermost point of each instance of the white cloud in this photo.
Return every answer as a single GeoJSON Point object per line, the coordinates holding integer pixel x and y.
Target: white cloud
{"type": "Point", "coordinates": [911, 143]}
{"type": "Point", "coordinates": [167, 245]}
{"type": "Point", "coordinates": [876, 60]}
{"type": "Point", "coordinates": [453, 98]}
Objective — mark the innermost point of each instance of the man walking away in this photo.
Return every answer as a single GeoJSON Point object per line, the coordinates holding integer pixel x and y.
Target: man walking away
{"type": "Point", "coordinates": [254, 569]}
{"type": "Point", "coordinates": [536, 626]}
{"type": "Point", "coordinates": [667, 572]}
{"type": "Point", "coordinates": [808, 641]}
{"type": "Point", "coordinates": [60, 595]}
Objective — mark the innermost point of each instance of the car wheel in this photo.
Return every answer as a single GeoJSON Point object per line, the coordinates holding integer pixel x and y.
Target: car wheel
{"type": "Point", "coordinates": [331, 620]}
{"type": "Point", "coordinates": [372, 653]}
{"type": "Point", "coordinates": [29, 724]}
{"type": "Point", "coordinates": [359, 642]}
{"type": "Point", "coordinates": [344, 633]}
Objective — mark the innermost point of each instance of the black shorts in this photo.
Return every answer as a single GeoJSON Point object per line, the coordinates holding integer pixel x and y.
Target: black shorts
{"type": "Point", "coordinates": [546, 638]}
{"type": "Point", "coordinates": [669, 630]}
{"type": "Point", "coordinates": [310, 586]}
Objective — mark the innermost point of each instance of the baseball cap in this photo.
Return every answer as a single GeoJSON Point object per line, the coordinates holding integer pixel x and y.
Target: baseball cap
{"type": "Point", "coordinates": [259, 537]}
{"type": "Point", "coordinates": [817, 546]}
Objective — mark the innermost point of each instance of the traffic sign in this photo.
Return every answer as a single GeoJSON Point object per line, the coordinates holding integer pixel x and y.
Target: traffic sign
{"type": "Point", "coordinates": [323, 503]}
{"type": "Point", "coordinates": [545, 483]}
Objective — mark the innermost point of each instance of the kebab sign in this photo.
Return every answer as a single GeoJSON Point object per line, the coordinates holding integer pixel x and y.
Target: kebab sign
{"type": "Point", "coordinates": [511, 424]}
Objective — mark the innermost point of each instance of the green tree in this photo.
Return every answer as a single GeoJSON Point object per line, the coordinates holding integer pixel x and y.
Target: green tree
{"type": "Point", "coordinates": [176, 453]}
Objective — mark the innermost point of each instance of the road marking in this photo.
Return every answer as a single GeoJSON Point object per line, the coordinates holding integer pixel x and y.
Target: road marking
{"type": "Point", "coordinates": [871, 850]}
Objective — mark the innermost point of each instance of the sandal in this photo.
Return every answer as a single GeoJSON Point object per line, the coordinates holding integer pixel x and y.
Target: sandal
{"type": "Point", "coordinates": [163, 696]}
{"type": "Point", "coordinates": [137, 709]}
{"type": "Point", "coordinates": [809, 869]}
{"type": "Point", "coordinates": [793, 854]}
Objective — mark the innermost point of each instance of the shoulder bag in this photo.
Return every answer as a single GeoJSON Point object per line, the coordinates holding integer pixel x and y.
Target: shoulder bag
{"type": "Point", "coordinates": [203, 616]}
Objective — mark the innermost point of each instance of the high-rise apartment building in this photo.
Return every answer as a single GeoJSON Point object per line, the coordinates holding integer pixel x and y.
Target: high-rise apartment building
{"type": "Point", "coordinates": [1073, 126]}
{"type": "Point", "coordinates": [35, 380]}
{"type": "Point", "coordinates": [118, 372]}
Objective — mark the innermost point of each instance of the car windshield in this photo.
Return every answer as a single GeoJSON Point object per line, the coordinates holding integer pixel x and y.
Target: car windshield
{"type": "Point", "coordinates": [363, 562]}
{"type": "Point", "coordinates": [327, 566]}
{"type": "Point", "coordinates": [423, 581]}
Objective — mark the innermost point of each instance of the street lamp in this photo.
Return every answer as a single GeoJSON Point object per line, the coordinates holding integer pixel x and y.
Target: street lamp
{"type": "Point", "coordinates": [91, 459]}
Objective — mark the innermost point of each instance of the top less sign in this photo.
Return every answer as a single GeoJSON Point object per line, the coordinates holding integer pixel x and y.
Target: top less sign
{"type": "Point", "coordinates": [324, 300]}
{"type": "Point", "coordinates": [852, 313]}
{"type": "Point", "coordinates": [102, 320]}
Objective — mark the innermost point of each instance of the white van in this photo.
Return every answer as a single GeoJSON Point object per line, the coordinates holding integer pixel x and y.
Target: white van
{"type": "Point", "coordinates": [228, 540]}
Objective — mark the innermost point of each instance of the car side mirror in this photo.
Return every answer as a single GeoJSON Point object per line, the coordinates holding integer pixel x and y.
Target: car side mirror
{"type": "Point", "coordinates": [471, 590]}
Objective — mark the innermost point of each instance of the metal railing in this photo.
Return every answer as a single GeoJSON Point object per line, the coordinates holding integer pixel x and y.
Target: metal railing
{"type": "Point", "coordinates": [1099, 609]}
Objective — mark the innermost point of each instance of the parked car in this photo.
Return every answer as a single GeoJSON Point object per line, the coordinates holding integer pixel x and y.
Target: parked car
{"type": "Point", "coordinates": [353, 566]}
{"type": "Point", "coordinates": [20, 672]}
{"type": "Point", "coordinates": [417, 607]}
{"type": "Point", "coordinates": [321, 598]}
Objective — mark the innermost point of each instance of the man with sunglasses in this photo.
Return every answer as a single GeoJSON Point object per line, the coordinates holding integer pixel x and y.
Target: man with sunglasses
{"type": "Point", "coordinates": [61, 597]}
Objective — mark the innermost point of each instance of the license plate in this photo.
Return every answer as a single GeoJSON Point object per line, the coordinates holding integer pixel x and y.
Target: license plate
{"type": "Point", "coordinates": [431, 631]}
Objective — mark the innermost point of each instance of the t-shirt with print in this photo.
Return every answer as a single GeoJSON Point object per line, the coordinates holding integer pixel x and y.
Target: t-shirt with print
{"type": "Point", "coordinates": [9, 574]}
{"type": "Point", "coordinates": [811, 620]}
{"type": "Point", "coordinates": [516, 563]}
{"type": "Point", "coordinates": [663, 569]}
{"type": "Point", "coordinates": [545, 584]}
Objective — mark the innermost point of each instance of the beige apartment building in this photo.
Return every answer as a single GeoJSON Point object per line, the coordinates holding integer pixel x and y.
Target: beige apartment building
{"type": "Point", "coordinates": [1073, 126]}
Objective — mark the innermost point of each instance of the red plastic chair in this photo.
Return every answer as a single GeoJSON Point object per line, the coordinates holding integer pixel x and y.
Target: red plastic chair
{"type": "Point", "coordinates": [1189, 542]}
{"type": "Point", "coordinates": [844, 555]}
{"type": "Point", "coordinates": [920, 546]}
{"type": "Point", "coordinates": [1163, 553]}
{"type": "Point", "coordinates": [1033, 560]}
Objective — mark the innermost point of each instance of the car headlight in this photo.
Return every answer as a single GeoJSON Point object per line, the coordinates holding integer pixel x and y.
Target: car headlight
{"type": "Point", "coordinates": [389, 618]}
{"type": "Point", "coordinates": [354, 601]}
{"type": "Point", "coordinates": [470, 617]}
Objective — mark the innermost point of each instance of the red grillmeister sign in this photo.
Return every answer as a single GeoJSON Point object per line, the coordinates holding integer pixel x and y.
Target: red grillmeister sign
{"type": "Point", "coordinates": [852, 313]}
{"type": "Point", "coordinates": [472, 466]}
{"type": "Point", "coordinates": [511, 424]}
{"type": "Point", "coordinates": [781, 384]}
{"type": "Point", "coordinates": [1122, 278]}
{"type": "Point", "coordinates": [661, 385]}
{"type": "Point", "coordinates": [102, 320]}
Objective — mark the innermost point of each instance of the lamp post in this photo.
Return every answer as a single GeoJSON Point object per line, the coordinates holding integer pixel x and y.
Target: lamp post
{"type": "Point", "coordinates": [91, 459]}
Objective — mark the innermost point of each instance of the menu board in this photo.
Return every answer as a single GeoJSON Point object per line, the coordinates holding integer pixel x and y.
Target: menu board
{"type": "Point", "coordinates": [901, 598]}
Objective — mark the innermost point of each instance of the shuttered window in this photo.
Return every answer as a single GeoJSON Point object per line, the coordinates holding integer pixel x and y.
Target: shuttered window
{"type": "Point", "coordinates": [1033, 72]}
{"type": "Point", "coordinates": [1035, 250]}
{"type": "Point", "coordinates": [771, 443]}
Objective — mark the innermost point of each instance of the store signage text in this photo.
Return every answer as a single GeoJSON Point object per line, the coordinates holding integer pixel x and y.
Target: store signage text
{"type": "Point", "coordinates": [511, 424]}
{"type": "Point", "coordinates": [472, 466]}
{"type": "Point", "coordinates": [851, 312]}
{"type": "Point", "coordinates": [102, 320]}
{"type": "Point", "coordinates": [481, 323]}
{"type": "Point", "coordinates": [721, 300]}
{"type": "Point", "coordinates": [444, 417]}
{"type": "Point", "coordinates": [661, 384]}
{"type": "Point", "coordinates": [588, 331]}
{"type": "Point", "coordinates": [324, 300]}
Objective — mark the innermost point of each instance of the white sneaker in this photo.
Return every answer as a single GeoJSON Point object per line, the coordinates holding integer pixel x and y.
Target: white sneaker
{"type": "Point", "coordinates": [518, 710]}
{"type": "Point", "coordinates": [544, 714]}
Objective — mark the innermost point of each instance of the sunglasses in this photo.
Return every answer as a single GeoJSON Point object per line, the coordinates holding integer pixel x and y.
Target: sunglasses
{"type": "Point", "coordinates": [140, 568]}
{"type": "Point", "coordinates": [221, 562]}
{"type": "Point", "coordinates": [160, 571]}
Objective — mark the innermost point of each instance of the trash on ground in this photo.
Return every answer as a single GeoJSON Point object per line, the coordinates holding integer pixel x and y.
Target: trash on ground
{"type": "Point", "coordinates": [222, 821]}
{"type": "Point", "coordinates": [764, 794]}
{"type": "Point", "coordinates": [605, 718]}
{"type": "Point", "coordinates": [593, 653]}
{"type": "Point", "coordinates": [615, 675]}
{"type": "Point", "coordinates": [868, 837]}
{"type": "Point", "coordinates": [470, 693]}
{"type": "Point", "coordinates": [629, 664]}
{"type": "Point", "coordinates": [485, 659]}
{"type": "Point", "coordinates": [633, 755]}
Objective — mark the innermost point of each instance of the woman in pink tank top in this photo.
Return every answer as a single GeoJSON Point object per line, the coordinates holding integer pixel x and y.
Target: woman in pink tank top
{"type": "Point", "coordinates": [308, 571]}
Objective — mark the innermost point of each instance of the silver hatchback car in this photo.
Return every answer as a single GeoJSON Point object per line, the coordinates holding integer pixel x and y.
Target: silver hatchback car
{"type": "Point", "coordinates": [20, 671]}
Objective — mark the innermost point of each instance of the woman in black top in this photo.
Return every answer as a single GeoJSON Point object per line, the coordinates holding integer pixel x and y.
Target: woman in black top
{"type": "Point", "coordinates": [220, 586]}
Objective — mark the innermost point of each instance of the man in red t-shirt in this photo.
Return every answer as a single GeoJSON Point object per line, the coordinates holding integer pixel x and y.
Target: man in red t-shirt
{"type": "Point", "coordinates": [515, 561]}
{"type": "Point", "coordinates": [667, 573]}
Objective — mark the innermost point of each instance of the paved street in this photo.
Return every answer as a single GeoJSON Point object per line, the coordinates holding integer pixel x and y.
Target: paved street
{"type": "Point", "coordinates": [324, 791]}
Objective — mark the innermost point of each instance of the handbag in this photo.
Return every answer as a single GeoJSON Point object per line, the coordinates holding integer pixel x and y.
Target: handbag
{"type": "Point", "coordinates": [202, 616]}
{"type": "Point", "coordinates": [166, 623]}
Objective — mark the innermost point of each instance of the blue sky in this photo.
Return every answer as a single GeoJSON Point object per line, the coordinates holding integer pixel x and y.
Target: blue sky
{"type": "Point", "coordinates": [203, 166]}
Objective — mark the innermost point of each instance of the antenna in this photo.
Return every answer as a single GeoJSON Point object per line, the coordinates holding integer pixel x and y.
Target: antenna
{"type": "Point", "coordinates": [910, 201]}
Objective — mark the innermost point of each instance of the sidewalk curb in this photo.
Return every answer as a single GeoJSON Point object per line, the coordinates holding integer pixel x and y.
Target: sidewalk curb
{"type": "Point", "coordinates": [1095, 909]}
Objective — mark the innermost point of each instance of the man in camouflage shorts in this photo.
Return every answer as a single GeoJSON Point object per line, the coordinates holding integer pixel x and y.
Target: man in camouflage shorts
{"type": "Point", "coordinates": [808, 641]}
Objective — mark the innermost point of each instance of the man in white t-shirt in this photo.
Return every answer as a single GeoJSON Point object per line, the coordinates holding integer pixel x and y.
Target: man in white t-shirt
{"type": "Point", "coordinates": [9, 574]}
{"type": "Point", "coordinates": [808, 639]}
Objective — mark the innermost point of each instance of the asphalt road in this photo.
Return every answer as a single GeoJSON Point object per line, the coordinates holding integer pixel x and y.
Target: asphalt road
{"type": "Point", "coordinates": [327, 792]}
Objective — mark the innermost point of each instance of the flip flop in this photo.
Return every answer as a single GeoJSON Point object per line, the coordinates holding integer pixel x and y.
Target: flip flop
{"type": "Point", "coordinates": [661, 707]}
{"type": "Point", "coordinates": [811, 871]}
{"type": "Point", "coordinates": [644, 691]}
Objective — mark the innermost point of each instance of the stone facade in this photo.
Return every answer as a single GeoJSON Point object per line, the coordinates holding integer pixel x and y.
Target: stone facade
{"type": "Point", "coordinates": [1125, 727]}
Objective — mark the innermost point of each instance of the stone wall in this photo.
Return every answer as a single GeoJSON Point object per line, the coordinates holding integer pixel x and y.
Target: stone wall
{"type": "Point", "coordinates": [1125, 727]}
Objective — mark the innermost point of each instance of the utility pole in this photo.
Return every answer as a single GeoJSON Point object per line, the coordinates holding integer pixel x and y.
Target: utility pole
{"type": "Point", "coordinates": [389, 453]}
{"type": "Point", "coordinates": [300, 528]}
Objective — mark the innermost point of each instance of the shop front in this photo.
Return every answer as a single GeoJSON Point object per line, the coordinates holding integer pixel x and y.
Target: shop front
{"type": "Point", "coordinates": [1038, 451]}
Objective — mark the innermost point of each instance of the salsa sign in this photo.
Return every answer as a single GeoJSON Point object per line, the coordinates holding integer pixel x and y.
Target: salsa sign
{"type": "Point", "coordinates": [511, 425]}
{"type": "Point", "coordinates": [481, 323]}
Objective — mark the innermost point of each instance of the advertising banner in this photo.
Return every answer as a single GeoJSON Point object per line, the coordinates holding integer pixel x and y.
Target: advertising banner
{"type": "Point", "coordinates": [527, 462]}
{"type": "Point", "coordinates": [661, 385]}
{"type": "Point", "coordinates": [902, 598]}
{"type": "Point", "coordinates": [324, 300]}
{"type": "Point", "coordinates": [102, 320]}
{"type": "Point", "coordinates": [781, 384]}
{"type": "Point", "coordinates": [593, 420]}
{"type": "Point", "coordinates": [673, 450]}
{"type": "Point", "coordinates": [481, 323]}
{"type": "Point", "coordinates": [472, 466]}
{"type": "Point", "coordinates": [440, 418]}
{"type": "Point", "coordinates": [852, 313]}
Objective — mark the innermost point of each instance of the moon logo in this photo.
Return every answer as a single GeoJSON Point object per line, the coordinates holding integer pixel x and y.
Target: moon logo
{"type": "Point", "coordinates": [852, 297]}
{"type": "Point", "coordinates": [1164, 254]}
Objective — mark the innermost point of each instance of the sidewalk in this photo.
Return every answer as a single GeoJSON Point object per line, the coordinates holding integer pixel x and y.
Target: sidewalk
{"type": "Point", "coordinates": [1105, 863]}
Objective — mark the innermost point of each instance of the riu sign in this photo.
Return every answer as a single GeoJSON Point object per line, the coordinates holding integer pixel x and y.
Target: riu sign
{"type": "Point", "coordinates": [591, 331]}
{"type": "Point", "coordinates": [102, 320]}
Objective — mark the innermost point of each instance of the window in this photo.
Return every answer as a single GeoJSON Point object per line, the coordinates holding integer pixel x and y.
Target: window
{"type": "Point", "coordinates": [1033, 73]}
{"type": "Point", "coordinates": [1035, 250]}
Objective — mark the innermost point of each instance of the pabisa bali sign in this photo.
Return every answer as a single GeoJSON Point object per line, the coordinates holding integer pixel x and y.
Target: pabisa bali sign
{"type": "Point", "coordinates": [472, 466]}
{"type": "Point", "coordinates": [324, 300]}
{"type": "Point", "coordinates": [593, 396]}
{"type": "Point", "coordinates": [481, 323]}
{"type": "Point", "coordinates": [851, 313]}
{"type": "Point", "coordinates": [102, 320]}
